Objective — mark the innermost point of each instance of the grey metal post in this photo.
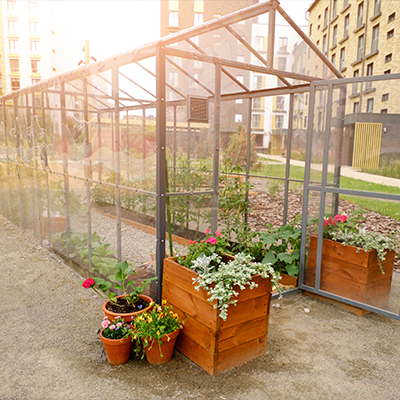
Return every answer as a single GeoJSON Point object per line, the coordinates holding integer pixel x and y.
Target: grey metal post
{"type": "Point", "coordinates": [8, 161]}
{"type": "Point", "coordinates": [310, 128]}
{"type": "Point", "coordinates": [144, 140]}
{"type": "Point", "coordinates": [161, 166]}
{"type": "Point", "coordinates": [32, 146]}
{"type": "Point", "coordinates": [323, 187]}
{"type": "Point", "coordinates": [175, 147]}
{"type": "Point", "coordinates": [99, 143]}
{"type": "Point", "coordinates": [127, 145]}
{"type": "Point", "coordinates": [248, 154]}
{"type": "Point", "coordinates": [17, 163]}
{"type": "Point", "coordinates": [288, 151]}
{"type": "Point", "coordinates": [88, 169]}
{"type": "Point", "coordinates": [117, 147]}
{"type": "Point", "coordinates": [65, 165]}
{"type": "Point", "coordinates": [217, 126]}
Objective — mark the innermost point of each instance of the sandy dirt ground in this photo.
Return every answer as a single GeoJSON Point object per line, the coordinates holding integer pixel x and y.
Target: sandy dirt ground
{"type": "Point", "coordinates": [51, 348]}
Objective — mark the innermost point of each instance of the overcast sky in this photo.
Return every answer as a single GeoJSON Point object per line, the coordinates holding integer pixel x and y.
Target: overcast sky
{"type": "Point", "coordinates": [116, 26]}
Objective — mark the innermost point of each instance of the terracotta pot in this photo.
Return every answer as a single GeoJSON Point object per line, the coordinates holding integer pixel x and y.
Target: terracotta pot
{"type": "Point", "coordinates": [118, 350]}
{"type": "Point", "coordinates": [153, 355]}
{"type": "Point", "coordinates": [127, 316]}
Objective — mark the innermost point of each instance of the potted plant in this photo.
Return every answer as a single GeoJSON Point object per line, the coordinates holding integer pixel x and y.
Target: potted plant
{"type": "Point", "coordinates": [218, 337]}
{"type": "Point", "coordinates": [128, 305]}
{"type": "Point", "coordinates": [156, 331]}
{"type": "Point", "coordinates": [116, 343]}
{"type": "Point", "coordinates": [355, 264]}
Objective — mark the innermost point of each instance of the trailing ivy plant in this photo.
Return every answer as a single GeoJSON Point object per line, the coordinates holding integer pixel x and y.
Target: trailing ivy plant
{"type": "Point", "coordinates": [220, 283]}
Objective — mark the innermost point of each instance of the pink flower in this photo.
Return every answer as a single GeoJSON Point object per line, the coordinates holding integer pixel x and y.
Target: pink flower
{"type": "Point", "coordinates": [88, 283]}
{"type": "Point", "coordinates": [207, 231]}
{"type": "Point", "coordinates": [118, 317]}
{"type": "Point", "coordinates": [119, 324]}
{"type": "Point", "coordinates": [112, 327]}
{"type": "Point", "coordinates": [105, 318]}
{"type": "Point", "coordinates": [104, 324]}
{"type": "Point", "coordinates": [211, 240]}
{"type": "Point", "coordinates": [332, 221]}
{"type": "Point", "coordinates": [217, 234]}
{"type": "Point", "coordinates": [341, 218]}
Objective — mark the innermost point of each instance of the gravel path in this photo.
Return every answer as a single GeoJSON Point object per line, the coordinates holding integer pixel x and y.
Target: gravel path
{"type": "Point", "coordinates": [51, 348]}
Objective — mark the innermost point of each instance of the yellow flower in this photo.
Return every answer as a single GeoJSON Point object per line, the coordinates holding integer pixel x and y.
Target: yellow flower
{"type": "Point", "coordinates": [149, 320]}
{"type": "Point", "coordinates": [164, 302]}
{"type": "Point", "coordinates": [175, 315]}
{"type": "Point", "coordinates": [158, 333]}
{"type": "Point", "coordinates": [291, 250]}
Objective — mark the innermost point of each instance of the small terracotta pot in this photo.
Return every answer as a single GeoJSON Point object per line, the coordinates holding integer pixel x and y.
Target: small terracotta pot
{"type": "Point", "coordinates": [118, 350]}
{"type": "Point", "coordinates": [128, 317]}
{"type": "Point", "coordinates": [153, 355]}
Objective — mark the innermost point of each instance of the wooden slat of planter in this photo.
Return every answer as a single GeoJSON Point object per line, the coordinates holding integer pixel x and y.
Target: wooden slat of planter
{"type": "Point", "coordinates": [242, 333]}
{"type": "Point", "coordinates": [377, 288]}
{"type": "Point", "coordinates": [240, 354]}
{"type": "Point", "coordinates": [203, 311]}
{"type": "Point", "coordinates": [288, 280]}
{"type": "Point", "coordinates": [198, 354]}
{"type": "Point", "coordinates": [246, 311]}
{"type": "Point", "coordinates": [202, 335]}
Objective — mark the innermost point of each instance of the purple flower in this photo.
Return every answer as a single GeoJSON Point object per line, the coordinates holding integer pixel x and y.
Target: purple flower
{"type": "Point", "coordinates": [139, 306]}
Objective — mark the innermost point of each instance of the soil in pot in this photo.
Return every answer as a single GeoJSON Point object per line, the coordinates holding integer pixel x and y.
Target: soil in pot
{"type": "Point", "coordinates": [122, 306]}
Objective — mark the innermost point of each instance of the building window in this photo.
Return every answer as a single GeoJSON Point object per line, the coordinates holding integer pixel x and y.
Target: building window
{"type": "Point", "coordinates": [257, 82]}
{"type": "Point", "coordinates": [334, 36]}
{"type": "Point", "coordinates": [280, 103]}
{"type": "Point", "coordinates": [239, 101]}
{"type": "Point", "coordinates": [360, 47]}
{"type": "Point", "coordinates": [333, 59]}
{"type": "Point", "coordinates": [387, 72]}
{"type": "Point", "coordinates": [305, 122]}
{"type": "Point", "coordinates": [173, 18]}
{"type": "Point", "coordinates": [384, 111]}
{"type": "Point", "coordinates": [13, 46]}
{"type": "Point", "coordinates": [11, 7]}
{"type": "Point", "coordinates": [14, 65]}
{"type": "Point", "coordinates": [360, 14]}
{"type": "Point", "coordinates": [342, 56]}
{"type": "Point", "coordinates": [257, 102]}
{"type": "Point", "coordinates": [310, 30]}
{"type": "Point", "coordinates": [256, 121]}
{"type": "Point", "coordinates": [346, 26]}
{"type": "Point", "coordinates": [195, 40]}
{"type": "Point", "coordinates": [283, 42]}
{"type": "Point", "coordinates": [15, 84]}
{"type": "Point", "coordinates": [345, 3]}
{"type": "Point", "coordinates": [240, 78]}
{"type": "Point", "coordinates": [388, 57]}
{"type": "Point", "coordinates": [370, 72]}
{"type": "Point", "coordinates": [34, 47]}
{"type": "Point", "coordinates": [35, 80]}
{"type": "Point", "coordinates": [326, 17]}
{"type": "Point", "coordinates": [35, 66]}
{"type": "Point", "coordinates": [355, 84]}
{"type": "Point", "coordinates": [282, 63]}
{"type": "Point", "coordinates": [259, 42]}
{"type": "Point", "coordinates": [334, 9]}
{"type": "Point", "coordinates": [390, 34]}
{"type": "Point", "coordinates": [33, 27]}
{"type": "Point", "coordinates": [217, 15]}
{"type": "Point", "coordinates": [33, 8]}
{"type": "Point", "coordinates": [377, 7]}
{"type": "Point", "coordinates": [278, 121]}
{"type": "Point", "coordinates": [391, 17]}
{"type": "Point", "coordinates": [198, 18]}
{"type": "Point", "coordinates": [12, 26]}
{"type": "Point", "coordinates": [173, 79]}
{"type": "Point", "coordinates": [240, 59]}
{"type": "Point", "coordinates": [356, 107]}
{"type": "Point", "coordinates": [238, 118]}
{"type": "Point", "coordinates": [324, 44]}
{"type": "Point", "coordinates": [198, 64]}
{"type": "Point", "coordinates": [375, 38]}
{"type": "Point", "coordinates": [306, 99]}
{"type": "Point", "coordinates": [370, 105]}
{"type": "Point", "coordinates": [385, 97]}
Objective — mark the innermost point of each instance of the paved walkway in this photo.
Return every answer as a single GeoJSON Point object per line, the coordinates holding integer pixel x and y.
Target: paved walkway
{"type": "Point", "coordinates": [345, 171]}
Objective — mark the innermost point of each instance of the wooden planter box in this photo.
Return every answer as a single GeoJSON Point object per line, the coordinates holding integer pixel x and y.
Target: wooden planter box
{"type": "Point", "coordinates": [212, 343]}
{"type": "Point", "coordinates": [353, 275]}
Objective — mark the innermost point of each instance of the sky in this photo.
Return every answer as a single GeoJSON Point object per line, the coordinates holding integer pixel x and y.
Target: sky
{"type": "Point", "coordinates": [117, 26]}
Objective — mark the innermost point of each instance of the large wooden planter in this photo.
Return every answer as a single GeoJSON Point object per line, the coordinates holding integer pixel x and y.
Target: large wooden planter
{"type": "Point", "coordinates": [350, 274]}
{"type": "Point", "coordinates": [212, 343]}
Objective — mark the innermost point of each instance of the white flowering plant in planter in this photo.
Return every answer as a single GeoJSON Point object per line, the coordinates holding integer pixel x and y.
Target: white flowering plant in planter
{"type": "Point", "coordinates": [220, 283]}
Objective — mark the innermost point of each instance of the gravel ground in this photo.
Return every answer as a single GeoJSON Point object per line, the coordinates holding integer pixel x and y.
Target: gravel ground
{"type": "Point", "coordinates": [51, 348]}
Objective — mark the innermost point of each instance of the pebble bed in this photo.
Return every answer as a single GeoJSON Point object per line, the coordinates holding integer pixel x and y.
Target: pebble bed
{"type": "Point", "coordinates": [137, 246]}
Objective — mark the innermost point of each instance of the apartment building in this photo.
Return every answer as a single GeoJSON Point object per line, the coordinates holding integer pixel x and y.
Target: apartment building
{"type": "Point", "coordinates": [359, 37]}
{"type": "Point", "coordinates": [35, 43]}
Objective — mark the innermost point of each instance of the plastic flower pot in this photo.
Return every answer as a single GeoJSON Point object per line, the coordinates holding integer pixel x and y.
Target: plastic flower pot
{"type": "Point", "coordinates": [161, 354]}
{"type": "Point", "coordinates": [118, 350]}
{"type": "Point", "coordinates": [126, 316]}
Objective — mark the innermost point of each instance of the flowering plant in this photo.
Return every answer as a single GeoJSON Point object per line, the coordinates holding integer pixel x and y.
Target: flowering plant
{"type": "Point", "coordinates": [348, 231]}
{"type": "Point", "coordinates": [120, 280]}
{"type": "Point", "coordinates": [220, 283]}
{"type": "Point", "coordinates": [210, 245]}
{"type": "Point", "coordinates": [116, 329]}
{"type": "Point", "coordinates": [152, 325]}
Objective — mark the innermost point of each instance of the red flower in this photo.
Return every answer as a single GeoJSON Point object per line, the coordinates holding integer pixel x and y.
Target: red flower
{"type": "Point", "coordinates": [340, 218]}
{"type": "Point", "coordinates": [332, 221]}
{"type": "Point", "coordinates": [212, 240]}
{"type": "Point", "coordinates": [190, 241]}
{"type": "Point", "coordinates": [88, 283]}
{"type": "Point", "coordinates": [326, 223]}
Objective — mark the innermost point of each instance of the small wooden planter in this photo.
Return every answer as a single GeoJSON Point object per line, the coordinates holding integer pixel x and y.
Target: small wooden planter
{"type": "Point", "coordinates": [212, 343]}
{"type": "Point", "coordinates": [351, 274]}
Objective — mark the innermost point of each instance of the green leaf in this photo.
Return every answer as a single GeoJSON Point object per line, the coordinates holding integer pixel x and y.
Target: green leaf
{"type": "Point", "coordinates": [117, 286]}
{"type": "Point", "coordinates": [285, 257]}
{"type": "Point", "coordinates": [292, 270]}
{"type": "Point", "coordinates": [269, 239]}
{"type": "Point", "coordinates": [269, 258]}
